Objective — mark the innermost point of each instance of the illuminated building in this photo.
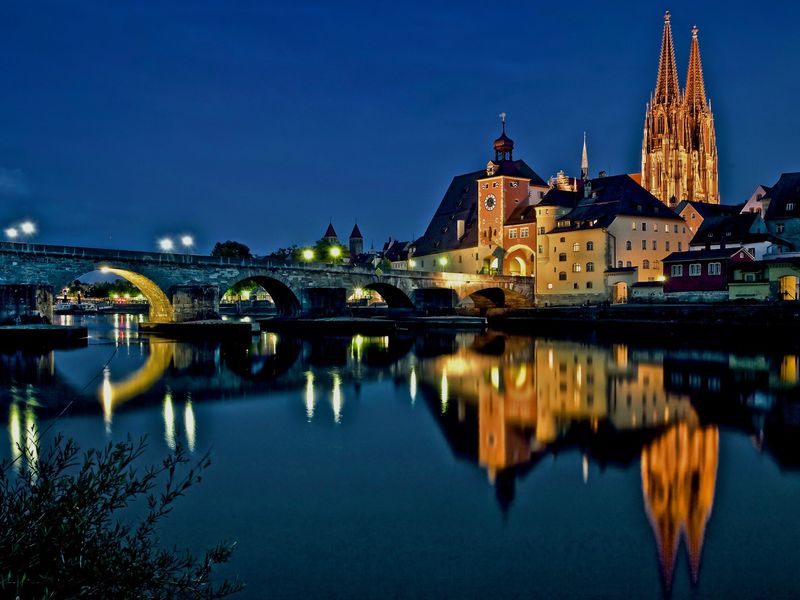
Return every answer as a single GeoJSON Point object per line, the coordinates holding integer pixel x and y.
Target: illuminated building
{"type": "Point", "coordinates": [679, 147]}
{"type": "Point", "coordinates": [483, 224]}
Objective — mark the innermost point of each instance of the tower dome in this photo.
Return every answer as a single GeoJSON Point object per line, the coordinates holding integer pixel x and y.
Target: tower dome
{"type": "Point", "coordinates": [504, 145]}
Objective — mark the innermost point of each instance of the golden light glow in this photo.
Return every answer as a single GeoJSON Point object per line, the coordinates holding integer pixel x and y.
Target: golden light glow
{"type": "Point", "coordinates": [335, 252]}
{"type": "Point", "coordinates": [443, 260]}
{"type": "Point", "coordinates": [15, 435]}
{"type": "Point", "coordinates": [412, 263]}
{"type": "Point", "coordinates": [308, 254]}
{"type": "Point", "coordinates": [189, 424]}
{"type": "Point", "coordinates": [107, 397]}
{"type": "Point", "coordinates": [336, 398]}
{"type": "Point", "coordinates": [309, 395]}
{"type": "Point", "coordinates": [444, 391]}
{"type": "Point", "coordinates": [412, 385]}
{"type": "Point", "coordinates": [114, 394]}
{"type": "Point", "coordinates": [495, 377]}
{"type": "Point", "coordinates": [161, 310]}
{"type": "Point", "coordinates": [522, 375]}
{"type": "Point", "coordinates": [169, 421]}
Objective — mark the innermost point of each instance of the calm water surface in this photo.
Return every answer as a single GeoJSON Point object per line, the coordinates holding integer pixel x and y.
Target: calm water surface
{"type": "Point", "coordinates": [450, 465]}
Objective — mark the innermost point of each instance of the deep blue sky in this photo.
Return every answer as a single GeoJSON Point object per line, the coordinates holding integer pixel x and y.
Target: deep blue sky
{"type": "Point", "coordinates": [259, 121]}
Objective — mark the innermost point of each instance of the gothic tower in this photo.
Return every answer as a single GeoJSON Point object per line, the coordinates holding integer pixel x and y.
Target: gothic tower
{"type": "Point", "coordinates": [679, 149]}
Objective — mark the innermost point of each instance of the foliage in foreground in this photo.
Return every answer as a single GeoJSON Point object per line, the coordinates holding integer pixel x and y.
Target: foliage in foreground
{"type": "Point", "coordinates": [62, 534]}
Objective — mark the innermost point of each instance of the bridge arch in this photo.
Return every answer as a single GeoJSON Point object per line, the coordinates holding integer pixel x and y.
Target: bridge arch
{"type": "Point", "coordinates": [286, 301]}
{"type": "Point", "coordinates": [496, 297]}
{"type": "Point", "coordinates": [394, 296]}
{"type": "Point", "coordinates": [161, 310]}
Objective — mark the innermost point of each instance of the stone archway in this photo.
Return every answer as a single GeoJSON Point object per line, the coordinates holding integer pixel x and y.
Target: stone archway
{"type": "Point", "coordinates": [286, 301]}
{"type": "Point", "coordinates": [620, 293]}
{"type": "Point", "coordinates": [161, 310]}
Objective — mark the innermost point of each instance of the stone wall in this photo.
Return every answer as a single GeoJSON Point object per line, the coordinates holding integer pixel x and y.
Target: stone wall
{"type": "Point", "coordinates": [195, 302]}
{"type": "Point", "coordinates": [25, 303]}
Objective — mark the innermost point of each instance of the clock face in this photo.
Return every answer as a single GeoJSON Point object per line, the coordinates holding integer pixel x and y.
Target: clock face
{"type": "Point", "coordinates": [490, 202]}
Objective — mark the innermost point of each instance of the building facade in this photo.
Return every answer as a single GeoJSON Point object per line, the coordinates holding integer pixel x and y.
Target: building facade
{"type": "Point", "coordinates": [679, 148]}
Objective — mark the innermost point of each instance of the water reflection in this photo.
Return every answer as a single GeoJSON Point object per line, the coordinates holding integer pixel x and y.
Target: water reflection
{"type": "Point", "coordinates": [501, 402]}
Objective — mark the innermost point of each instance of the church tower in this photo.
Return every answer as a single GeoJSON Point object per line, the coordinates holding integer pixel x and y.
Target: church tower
{"type": "Point", "coordinates": [679, 150]}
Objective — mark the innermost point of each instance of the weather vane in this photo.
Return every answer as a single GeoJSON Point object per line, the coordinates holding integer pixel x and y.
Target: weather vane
{"type": "Point", "coordinates": [503, 117]}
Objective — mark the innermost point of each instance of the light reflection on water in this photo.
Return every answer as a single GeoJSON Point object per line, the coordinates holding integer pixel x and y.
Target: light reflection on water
{"type": "Point", "coordinates": [501, 404]}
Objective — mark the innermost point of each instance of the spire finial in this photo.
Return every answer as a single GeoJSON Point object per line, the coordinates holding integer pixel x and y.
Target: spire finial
{"type": "Point", "coordinates": [584, 160]}
{"type": "Point", "coordinates": [503, 120]}
{"type": "Point", "coordinates": [666, 16]}
{"type": "Point", "coordinates": [695, 29]}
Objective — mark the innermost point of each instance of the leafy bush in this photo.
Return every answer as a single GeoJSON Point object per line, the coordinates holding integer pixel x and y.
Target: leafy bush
{"type": "Point", "coordinates": [68, 530]}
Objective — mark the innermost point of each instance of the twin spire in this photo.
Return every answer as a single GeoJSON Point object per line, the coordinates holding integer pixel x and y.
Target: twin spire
{"type": "Point", "coordinates": [667, 88]}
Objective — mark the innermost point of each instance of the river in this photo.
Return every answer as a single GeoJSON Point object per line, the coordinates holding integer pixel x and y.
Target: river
{"type": "Point", "coordinates": [454, 465]}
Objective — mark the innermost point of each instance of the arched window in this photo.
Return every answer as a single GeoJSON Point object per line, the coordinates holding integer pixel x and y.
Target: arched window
{"type": "Point", "coordinates": [589, 285]}
{"type": "Point", "coordinates": [562, 257]}
{"type": "Point", "coordinates": [629, 264]}
{"type": "Point", "coordinates": [645, 264]}
{"type": "Point", "coordinates": [628, 245]}
{"type": "Point", "coordinates": [576, 268]}
{"type": "Point", "coordinates": [590, 245]}
{"type": "Point", "coordinates": [619, 264]}
{"type": "Point", "coordinates": [576, 247]}
{"type": "Point", "coordinates": [589, 267]}
{"type": "Point", "coordinates": [562, 276]}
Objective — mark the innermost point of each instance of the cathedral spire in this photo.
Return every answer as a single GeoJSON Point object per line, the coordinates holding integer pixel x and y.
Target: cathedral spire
{"type": "Point", "coordinates": [695, 93]}
{"type": "Point", "coordinates": [667, 91]}
{"type": "Point", "coordinates": [584, 160]}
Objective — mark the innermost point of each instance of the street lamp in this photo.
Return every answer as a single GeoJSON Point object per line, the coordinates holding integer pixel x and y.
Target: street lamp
{"type": "Point", "coordinates": [308, 254]}
{"type": "Point", "coordinates": [187, 241]}
{"type": "Point", "coordinates": [411, 264]}
{"type": "Point", "coordinates": [166, 245]}
{"type": "Point", "coordinates": [443, 262]}
{"type": "Point", "coordinates": [12, 233]}
{"type": "Point", "coordinates": [335, 252]}
{"type": "Point", "coordinates": [28, 227]}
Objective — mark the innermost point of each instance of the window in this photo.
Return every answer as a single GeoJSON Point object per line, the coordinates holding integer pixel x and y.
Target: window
{"type": "Point", "coordinates": [512, 233]}
{"type": "Point", "coordinates": [590, 245]}
{"type": "Point", "coordinates": [563, 239]}
{"type": "Point", "coordinates": [655, 245]}
{"type": "Point", "coordinates": [524, 232]}
{"type": "Point", "coordinates": [541, 249]}
{"type": "Point", "coordinates": [680, 246]}
{"type": "Point", "coordinates": [562, 257]}
{"type": "Point", "coordinates": [575, 286]}
{"type": "Point", "coordinates": [619, 264]}
{"type": "Point", "coordinates": [576, 247]}
{"type": "Point", "coordinates": [693, 216]}
{"type": "Point", "coordinates": [666, 245]}
{"type": "Point", "coordinates": [790, 206]}
{"type": "Point", "coordinates": [684, 229]}
{"type": "Point", "coordinates": [495, 184]}
{"type": "Point", "coordinates": [549, 286]}
{"type": "Point", "coordinates": [695, 269]}
{"type": "Point", "coordinates": [484, 186]}
{"type": "Point", "coordinates": [421, 263]}
{"type": "Point", "coordinates": [676, 229]}
{"type": "Point", "coordinates": [628, 245]}
{"type": "Point", "coordinates": [460, 258]}
{"type": "Point", "coordinates": [676, 271]}
{"type": "Point", "coordinates": [562, 276]}
{"type": "Point", "coordinates": [629, 264]}
{"type": "Point", "coordinates": [589, 267]}
{"type": "Point", "coordinates": [666, 228]}
{"type": "Point", "coordinates": [715, 268]}
{"type": "Point", "coordinates": [541, 230]}
{"type": "Point", "coordinates": [633, 225]}
{"type": "Point", "coordinates": [779, 228]}
{"type": "Point", "coordinates": [513, 184]}
{"type": "Point", "coordinates": [644, 244]}
{"type": "Point", "coordinates": [588, 287]}
{"type": "Point", "coordinates": [644, 226]}
{"type": "Point", "coordinates": [645, 264]}
{"type": "Point", "coordinates": [576, 267]}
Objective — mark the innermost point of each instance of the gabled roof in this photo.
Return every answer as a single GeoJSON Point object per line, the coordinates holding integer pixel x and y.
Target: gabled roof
{"type": "Point", "coordinates": [521, 214]}
{"type": "Point", "coordinates": [460, 202]}
{"type": "Point", "coordinates": [356, 234]}
{"type": "Point", "coordinates": [785, 192]}
{"type": "Point", "coordinates": [708, 210]}
{"type": "Point", "coordinates": [699, 255]}
{"type": "Point", "coordinates": [613, 196]}
{"type": "Point", "coordinates": [744, 228]}
{"type": "Point", "coordinates": [563, 198]}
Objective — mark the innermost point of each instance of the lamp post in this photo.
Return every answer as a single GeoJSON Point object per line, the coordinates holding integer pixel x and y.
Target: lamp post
{"type": "Point", "coordinates": [187, 242]}
{"type": "Point", "coordinates": [308, 255]}
{"type": "Point", "coordinates": [443, 262]}
{"type": "Point", "coordinates": [335, 252]}
{"type": "Point", "coordinates": [166, 245]}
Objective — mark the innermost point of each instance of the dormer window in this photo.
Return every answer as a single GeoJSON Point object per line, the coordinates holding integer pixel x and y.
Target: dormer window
{"type": "Point", "coordinates": [491, 168]}
{"type": "Point", "coordinates": [790, 206]}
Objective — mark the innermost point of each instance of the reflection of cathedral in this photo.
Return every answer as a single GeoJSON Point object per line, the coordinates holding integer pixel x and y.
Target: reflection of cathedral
{"type": "Point", "coordinates": [679, 474]}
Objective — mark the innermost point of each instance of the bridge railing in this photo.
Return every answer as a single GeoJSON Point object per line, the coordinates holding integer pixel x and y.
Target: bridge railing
{"type": "Point", "coordinates": [100, 255]}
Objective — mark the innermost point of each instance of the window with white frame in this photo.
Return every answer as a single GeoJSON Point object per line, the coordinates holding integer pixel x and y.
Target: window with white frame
{"type": "Point", "coordinates": [576, 267]}
{"type": "Point", "coordinates": [576, 247]}
{"type": "Point", "coordinates": [714, 268]}
{"type": "Point", "coordinates": [589, 267]}
{"type": "Point", "coordinates": [644, 244]}
{"type": "Point", "coordinates": [541, 230]}
{"type": "Point", "coordinates": [628, 245]}
{"type": "Point", "coordinates": [645, 264]}
{"type": "Point", "coordinates": [676, 271]}
{"type": "Point", "coordinates": [695, 269]}
{"type": "Point", "coordinates": [655, 244]}
{"type": "Point", "coordinates": [524, 232]}
{"type": "Point", "coordinates": [512, 233]}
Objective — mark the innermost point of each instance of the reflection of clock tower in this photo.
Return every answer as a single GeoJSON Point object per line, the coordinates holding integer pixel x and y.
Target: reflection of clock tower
{"type": "Point", "coordinates": [499, 193]}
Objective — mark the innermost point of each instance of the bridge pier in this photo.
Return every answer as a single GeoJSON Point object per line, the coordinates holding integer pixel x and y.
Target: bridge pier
{"type": "Point", "coordinates": [435, 301]}
{"type": "Point", "coordinates": [195, 302]}
{"type": "Point", "coordinates": [324, 302]}
{"type": "Point", "coordinates": [25, 302]}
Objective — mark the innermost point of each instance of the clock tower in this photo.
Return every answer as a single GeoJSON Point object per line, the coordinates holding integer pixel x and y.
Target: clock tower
{"type": "Point", "coordinates": [499, 193]}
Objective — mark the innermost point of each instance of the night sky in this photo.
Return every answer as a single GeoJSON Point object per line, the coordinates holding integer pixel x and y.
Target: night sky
{"type": "Point", "coordinates": [121, 122]}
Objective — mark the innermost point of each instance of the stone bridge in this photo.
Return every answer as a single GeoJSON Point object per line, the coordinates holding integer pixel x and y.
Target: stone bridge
{"type": "Point", "coordinates": [183, 287]}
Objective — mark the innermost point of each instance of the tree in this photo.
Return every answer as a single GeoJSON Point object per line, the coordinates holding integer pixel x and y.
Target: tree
{"type": "Point", "coordinates": [66, 529]}
{"type": "Point", "coordinates": [322, 252]}
{"type": "Point", "coordinates": [289, 253]}
{"type": "Point", "coordinates": [231, 249]}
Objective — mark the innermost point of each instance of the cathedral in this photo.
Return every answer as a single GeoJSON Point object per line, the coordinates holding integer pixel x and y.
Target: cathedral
{"type": "Point", "coordinates": [679, 147]}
